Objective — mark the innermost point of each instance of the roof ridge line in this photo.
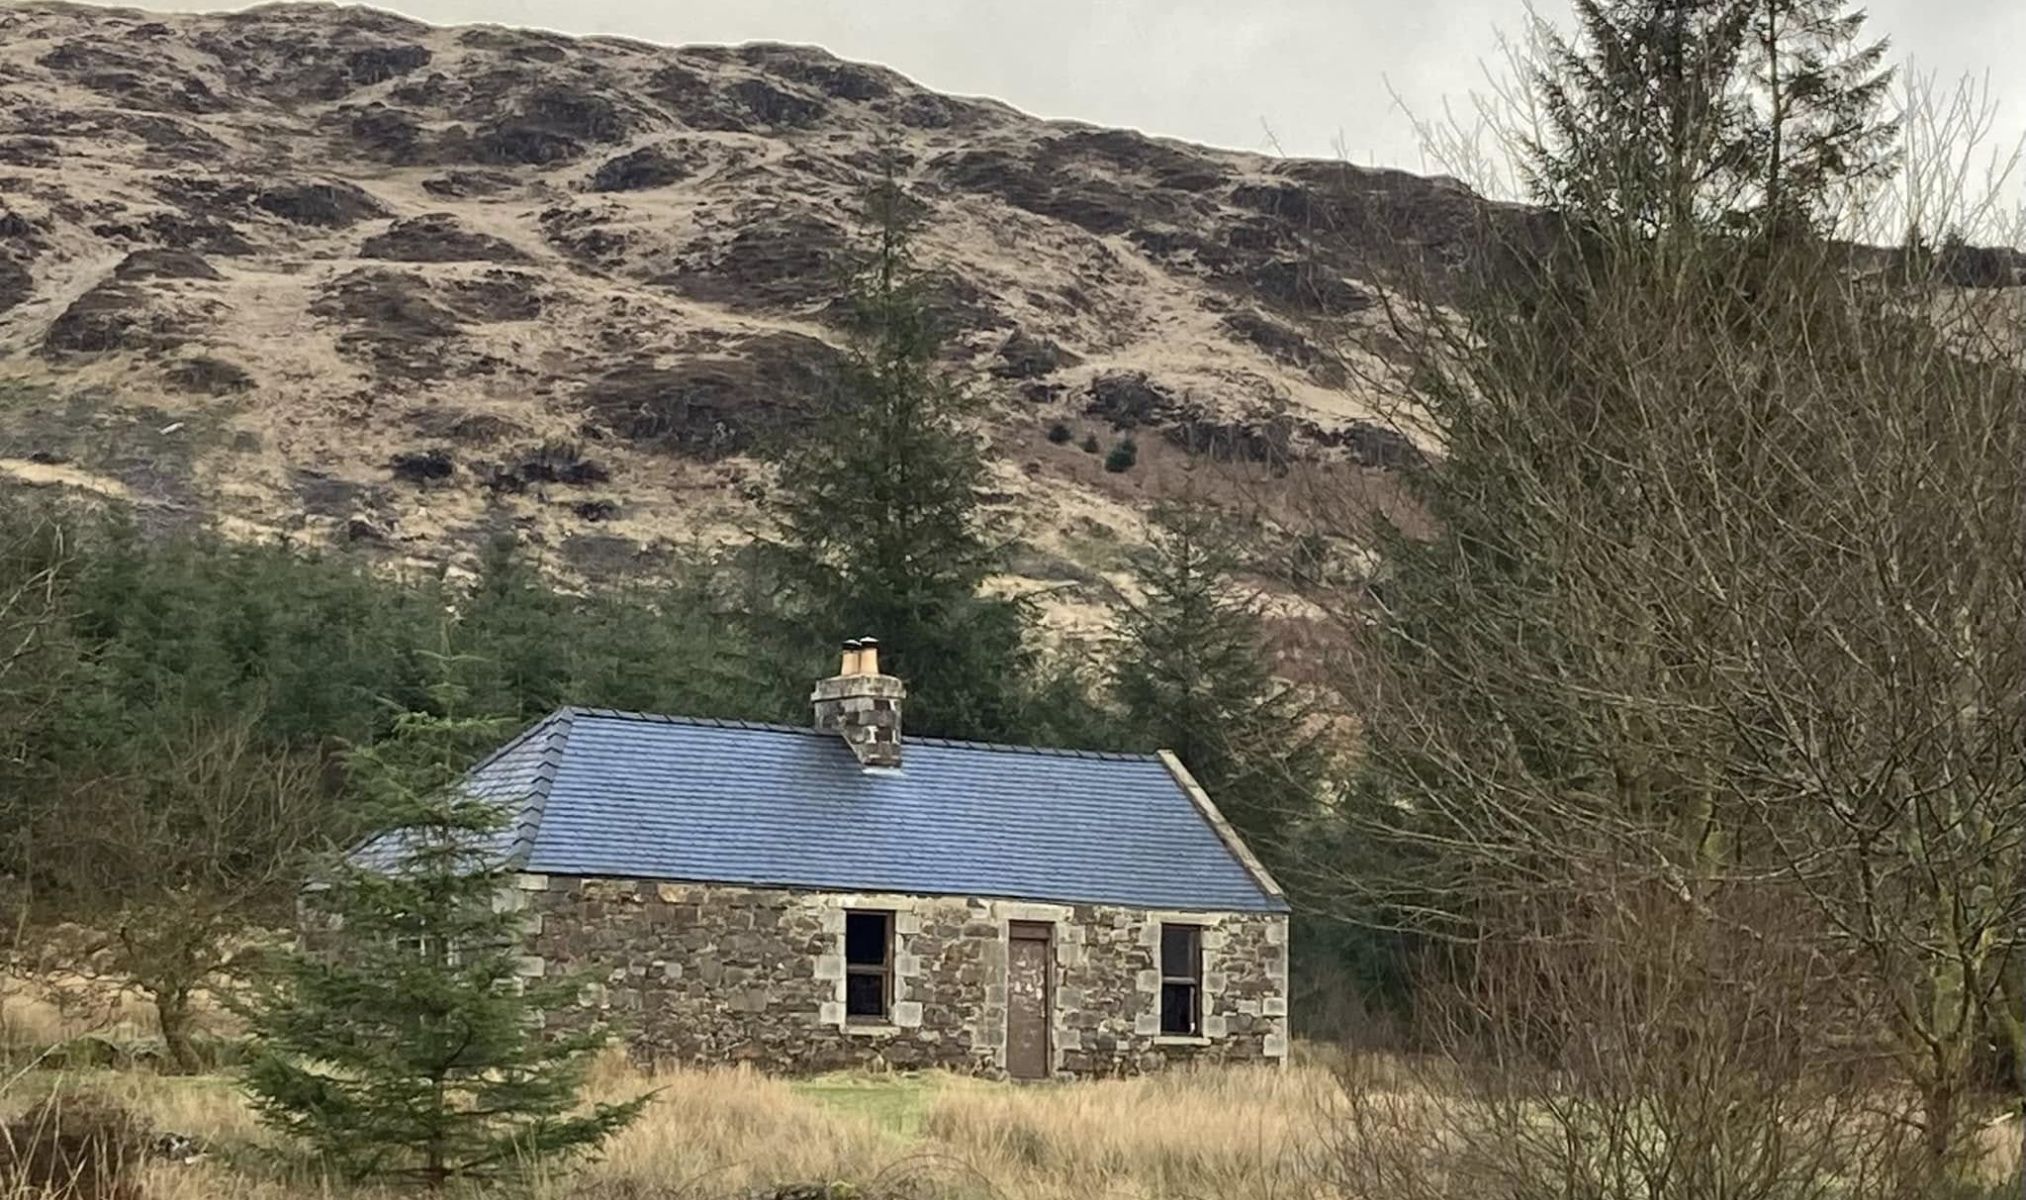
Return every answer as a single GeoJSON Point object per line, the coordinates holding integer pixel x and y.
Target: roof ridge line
{"type": "Point", "coordinates": [621, 714]}
{"type": "Point", "coordinates": [516, 741]}
{"type": "Point", "coordinates": [625, 714]}
{"type": "Point", "coordinates": [1048, 751]}
{"type": "Point", "coordinates": [560, 724]}
{"type": "Point", "coordinates": [528, 820]}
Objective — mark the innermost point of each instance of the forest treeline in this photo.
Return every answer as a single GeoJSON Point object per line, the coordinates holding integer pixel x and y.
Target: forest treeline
{"type": "Point", "coordinates": [180, 710]}
{"type": "Point", "coordinates": [1685, 820]}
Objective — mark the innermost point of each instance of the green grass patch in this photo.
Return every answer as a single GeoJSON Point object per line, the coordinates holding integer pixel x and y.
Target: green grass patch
{"type": "Point", "coordinates": [895, 1102]}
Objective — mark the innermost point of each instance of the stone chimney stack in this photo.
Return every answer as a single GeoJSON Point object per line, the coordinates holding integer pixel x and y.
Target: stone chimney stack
{"type": "Point", "coordinates": [862, 704]}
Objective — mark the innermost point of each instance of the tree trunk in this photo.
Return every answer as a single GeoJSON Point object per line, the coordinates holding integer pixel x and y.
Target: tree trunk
{"type": "Point", "coordinates": [2009, 1014]}
{"type": "Point", "coordinates": [172, 1013]}
{"type": "Point", "coordinates": [1941, 1145]}
{"type": "Point", "coordinates": [434, 1171]}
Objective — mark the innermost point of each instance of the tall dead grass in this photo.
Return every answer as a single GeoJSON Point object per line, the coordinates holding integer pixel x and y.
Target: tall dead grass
{"type": "Point", "coordinates": [39, 1012]}
{"type": "Point", "coordinates": [1225, 1132]}
{"type": "Point", "coordinates": [73, 1146]}
{"type": "Point", "coordinates": [724, 1132]}
{"type": "Point", "coordinates": [1237, 1133]}
{"type": "Point", "coordinates": [1234, 1134]}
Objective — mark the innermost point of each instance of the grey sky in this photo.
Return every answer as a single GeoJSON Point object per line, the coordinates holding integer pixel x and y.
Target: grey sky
{"type": "Point", "coordinates": [1316, 73]}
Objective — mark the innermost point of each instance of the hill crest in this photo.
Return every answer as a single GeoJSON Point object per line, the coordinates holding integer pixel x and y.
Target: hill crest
{"type": "Point", "coordinates": [340, 275]}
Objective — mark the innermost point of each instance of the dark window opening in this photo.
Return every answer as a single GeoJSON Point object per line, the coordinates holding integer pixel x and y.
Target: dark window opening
{"type": "Point", "coordinates": [868, 965]}
{"type": "Point", "coordinates": [1181, 980]}
{"type": "Point", "coordinates": [426, 948]}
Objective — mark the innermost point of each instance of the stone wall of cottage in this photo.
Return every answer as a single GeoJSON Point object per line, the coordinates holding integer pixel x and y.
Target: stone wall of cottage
{"type": "Point", "coordinates": [713, 973]}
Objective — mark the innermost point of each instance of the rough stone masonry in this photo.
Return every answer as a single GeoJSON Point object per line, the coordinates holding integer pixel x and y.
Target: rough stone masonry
{"type": "Point", "coordinates": [702, 973]}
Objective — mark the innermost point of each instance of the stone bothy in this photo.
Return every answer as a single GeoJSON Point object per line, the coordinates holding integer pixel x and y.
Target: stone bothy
{"type": "Point", "coordinates": [805, 899]}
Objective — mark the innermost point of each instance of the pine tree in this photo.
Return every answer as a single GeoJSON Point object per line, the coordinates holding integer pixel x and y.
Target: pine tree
{"type": "Point", "coordinates": [1818, 93]}
{"type": "Point", "coordinates": [1192, 674]}
{"type": "Point", "coordinates": [1685, 114]}
{"type": "Point", "coordinates": [881, 524]}
{"type": "Point", "coordinates": [1643, 122]}
{"type": "Point", "coordinates": [403, 1043]}
{"type": "Point", "coordinates": [512, 637]}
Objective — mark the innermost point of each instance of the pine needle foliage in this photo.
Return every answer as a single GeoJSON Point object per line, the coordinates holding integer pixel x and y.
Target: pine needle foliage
{"type": "Point", "coordinates": [1658, 115]}
{"type": "Point", "coordinates": [1192, 673]}
{"type": "Point", "coordinates": [1643, 123]}
{"type": "Point", "coordinates": [1819, 95]}
{"type": "Point", "coordinates": [402, 1043]}
{"type": "Point", "coordinates": [881, 513]}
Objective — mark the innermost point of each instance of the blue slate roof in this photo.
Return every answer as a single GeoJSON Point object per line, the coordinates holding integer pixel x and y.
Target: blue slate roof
{"type": "Point", "coordinates": [598, 792]}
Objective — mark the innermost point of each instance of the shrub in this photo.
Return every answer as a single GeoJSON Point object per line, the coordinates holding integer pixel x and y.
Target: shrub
{"type": "Point", "coordinates": [1059, 433]}
{"type": "Point", "coordinates": [1090, 444]}
{"type": "Point", "coordinates": [73, 1147]}
{"type": "Point", "coordinates": [1122, 457]}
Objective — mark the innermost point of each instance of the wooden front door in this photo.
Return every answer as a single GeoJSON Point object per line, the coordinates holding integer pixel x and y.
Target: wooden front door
{"type": "Point", "coordinates": [1029, 961]}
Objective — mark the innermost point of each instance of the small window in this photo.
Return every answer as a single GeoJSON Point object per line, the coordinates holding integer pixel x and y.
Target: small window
{"type": "Point", "coordinates": [1181, 980]}
{"type": "Point", "coordinates": [868, 965]}
{"type": "Point", "coordinates": [426, 948]}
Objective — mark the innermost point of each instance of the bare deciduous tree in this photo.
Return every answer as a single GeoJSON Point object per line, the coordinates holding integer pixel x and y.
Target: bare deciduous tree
{"type": "Point", "coordinates": [1640, 1049]}
{"type": "Point", "coordinates": [1723, 591]}
{"type": "Point", "coordinates": [180, 859]}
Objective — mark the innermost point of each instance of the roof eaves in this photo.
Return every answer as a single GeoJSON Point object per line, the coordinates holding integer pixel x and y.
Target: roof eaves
{"type": "Point", "coordinates": [1273, 904]}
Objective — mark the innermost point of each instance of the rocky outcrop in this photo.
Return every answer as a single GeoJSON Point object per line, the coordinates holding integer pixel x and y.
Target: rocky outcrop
{"type": "Point", "coordinates": [437, 237]}
{"type": "Point", "coordinates": [363, 231]}
{"type": "Point", "coordinates": [648, 167]}
{"type": "Point", "coordinates": [754, 398]}
{"type": "Point", "coordinates": [334, 205]}
{"type": "Point", "coordinates": [392, 321]}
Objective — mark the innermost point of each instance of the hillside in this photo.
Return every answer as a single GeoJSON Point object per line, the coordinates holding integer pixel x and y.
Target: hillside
{"type": "Point", "coordinates": [336, 274]}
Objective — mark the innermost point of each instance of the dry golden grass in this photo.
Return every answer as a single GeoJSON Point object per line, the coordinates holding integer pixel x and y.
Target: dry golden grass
{"type": "Point", "coordinates": [724, 1131]}
{"type": "Point", "coordinates": [1237, 1133]}
{"type": "Point", "coordinates": [1232, 1133]}
{"type": "Point", "coordinates": [2002, 1143]}
{"type": "Point", "coordinates": [1225, 1132]}
{"type": "Point", "coordinates": [53, 1008]}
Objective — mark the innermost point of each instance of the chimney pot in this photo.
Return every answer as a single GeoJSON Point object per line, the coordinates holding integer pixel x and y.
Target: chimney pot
{"type": "Point", "coordinates": [862, 705]}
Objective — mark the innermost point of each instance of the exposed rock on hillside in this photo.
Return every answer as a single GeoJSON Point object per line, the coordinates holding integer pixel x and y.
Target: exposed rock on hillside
{"type": "Point", "coordinates": [376, 273]}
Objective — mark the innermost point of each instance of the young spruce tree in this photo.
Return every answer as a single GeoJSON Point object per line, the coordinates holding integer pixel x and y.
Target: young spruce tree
{"type": "Point", "coordinates": [403, 1043]}
{"type": "Point", "coordinates": [880, 514]}
{"type": "Point", "coordinates": [1820, 127]}
{"type": "Point", "coordinates": [1192, 675]}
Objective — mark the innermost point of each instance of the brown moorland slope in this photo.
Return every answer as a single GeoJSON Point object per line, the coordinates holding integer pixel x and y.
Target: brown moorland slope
{"type": "Point", "coordinates": [333, 273]}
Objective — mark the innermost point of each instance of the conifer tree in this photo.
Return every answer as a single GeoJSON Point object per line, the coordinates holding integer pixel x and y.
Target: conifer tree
{"type": "Point", "coordinates": [1818, 92]}
{"type": "Point", "coordinates": [1192, 675]}
{"type": "Point", "coordinates": [1643, 124]}
{"type": "Point", "coordinates": [1677, 114]}
{"type": "Point", "coordinates": [882, 529]}
{"type": "Point", "coordinates": [513, 637]}
{"type": "Point", "coordinates": [402, 1043]}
